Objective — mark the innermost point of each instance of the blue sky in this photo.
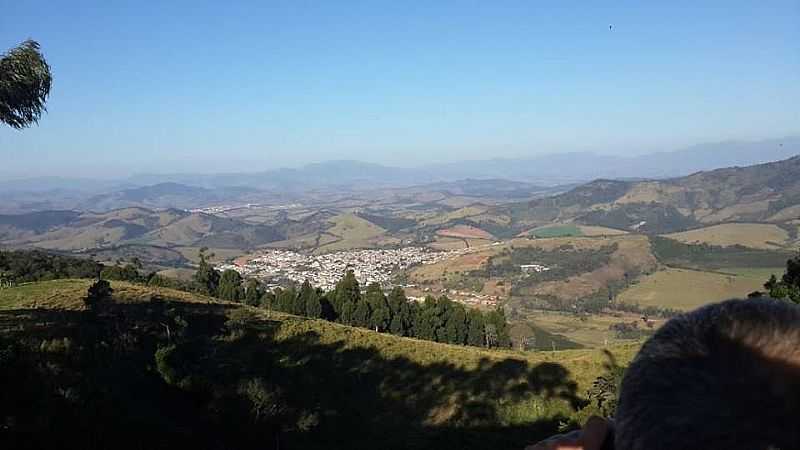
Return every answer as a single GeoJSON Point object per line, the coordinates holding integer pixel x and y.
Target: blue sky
{"type": "Point", "coordinates": [246, 86]}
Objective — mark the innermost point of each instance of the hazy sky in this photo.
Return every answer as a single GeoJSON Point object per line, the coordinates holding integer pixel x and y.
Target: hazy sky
{"type": "Point", "coordinates": [227, 86]}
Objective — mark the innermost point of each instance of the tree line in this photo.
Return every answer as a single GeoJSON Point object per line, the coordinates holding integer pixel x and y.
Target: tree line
{"type": "Point", "coordinates": [434, 319]}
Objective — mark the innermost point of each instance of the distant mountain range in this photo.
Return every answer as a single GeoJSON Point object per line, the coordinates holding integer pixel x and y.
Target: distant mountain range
{"type": "Point", "coordinates": [323, 180]}
{"type": "Point", "coordinates": [548, 169]}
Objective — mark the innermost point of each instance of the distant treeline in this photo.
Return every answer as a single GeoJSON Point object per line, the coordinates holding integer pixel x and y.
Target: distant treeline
{"type": "Point", "coordinates": [23, 266]}
{"type": "Point", "coordinates": [712, 257]}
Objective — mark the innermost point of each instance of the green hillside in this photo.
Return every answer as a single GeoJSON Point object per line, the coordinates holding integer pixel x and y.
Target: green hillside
{"type": "Point", "coordinates": [167, 367]}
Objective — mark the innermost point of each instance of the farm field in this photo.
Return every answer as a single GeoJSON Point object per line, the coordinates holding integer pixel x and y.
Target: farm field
{"type": "Point", "coordinates": [687, 289]}
{"type": "Point", "coordinates": [552, 231]}
{"type": "Point", "coordinates": [753, 235]}
{"type": "Point", "coordinates": [591, 332]}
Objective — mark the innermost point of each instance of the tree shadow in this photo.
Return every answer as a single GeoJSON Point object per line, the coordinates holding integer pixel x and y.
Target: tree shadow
{"type": "Point", "coordinates": [224, 380]}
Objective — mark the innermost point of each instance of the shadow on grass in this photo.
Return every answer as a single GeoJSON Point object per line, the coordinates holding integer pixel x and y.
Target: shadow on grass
{"type": "Point", "coordinates": [223, 380]}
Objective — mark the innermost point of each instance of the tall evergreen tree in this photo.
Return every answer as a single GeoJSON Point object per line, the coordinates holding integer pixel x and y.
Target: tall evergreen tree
{"type": "Point", "coordinates": [497, 319]}
{"type": "Point", "coordinates": [380, 312]}
{"type": "Point", "coordinates": [309, 297]}
{"type": "Point", "coordinates": [361, 314]}
{"type": "Point", "coordinates": [253, 293]}
{"type": "Point", "coordinates": [456, 327]}
{"type": "Point", "coordinates": [347, 292]}
{"type": "Point", "coordinates": [475, 334]}
{"type": "Point", "coordinates": [206, 276]}
{"type": "Point", "coordinates": [230, 286]}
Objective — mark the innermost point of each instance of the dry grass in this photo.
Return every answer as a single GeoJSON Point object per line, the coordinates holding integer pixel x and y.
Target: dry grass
{"type": "Point", "coordinates": [460, 213]}
{"type": "Point", "coordinates": [584, 365]}
{"type": "Point", "coordinates": [688, 289]}
{"type": "Point", "coordinates": [465, 232]}
{"type": "Point", "coordinates": [754, 235]}
{"type": "Point", "coordinates": [352, 232]}
{"type": "Point", "coordinates": [593, 231]}
{"type": "Point", "coordinates": [592, 331]}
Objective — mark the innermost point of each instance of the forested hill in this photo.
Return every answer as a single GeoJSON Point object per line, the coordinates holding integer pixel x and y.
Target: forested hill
{"type": "Point", "coordinates": [761, 193]}
{"type": "Point", "coordinates": [158, 368]}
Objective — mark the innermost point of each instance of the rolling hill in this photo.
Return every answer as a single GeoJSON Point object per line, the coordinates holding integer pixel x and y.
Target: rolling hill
{"type": "Point", "coordinates": [155, 237]}
{"type": "Point", "coordinates": [191, 370]}
{"type": "Point", "coordinates": [767, 192]}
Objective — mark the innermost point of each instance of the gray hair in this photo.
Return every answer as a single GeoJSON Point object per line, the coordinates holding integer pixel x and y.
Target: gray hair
{"type": "Point", "coordinates": [725, 376]}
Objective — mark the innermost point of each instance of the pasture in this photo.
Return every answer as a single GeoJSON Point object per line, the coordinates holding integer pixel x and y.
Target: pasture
{"type": "Point", "coordinates": [687, 289]}
{"type": "Point", "coordinates": [753, 235]}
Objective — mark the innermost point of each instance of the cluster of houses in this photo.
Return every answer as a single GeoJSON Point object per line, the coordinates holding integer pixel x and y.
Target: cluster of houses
{"type": "Point", "coordinates": [324, 271]}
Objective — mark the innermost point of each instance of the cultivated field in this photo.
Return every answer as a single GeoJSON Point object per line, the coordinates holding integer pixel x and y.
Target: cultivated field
{"type": "Point", "coordinates": [590, 331]}
{"type": "Point", "coordinates": [688, 289]}
{"type": "Point", "coordinates": [754, 235]}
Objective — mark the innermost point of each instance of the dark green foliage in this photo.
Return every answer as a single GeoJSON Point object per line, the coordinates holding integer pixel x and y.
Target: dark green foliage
{"type": "Point", "coordinates": [206, 276]}
{"type": "Point", "coordinates": [605, 389]}
{"type": "Point", "coordinates": [563, 262]}
{"type": "Point", "coordinates": [629, 330]}
{"type": "Point", "coordinates": [253, 292]}
{"type": "Point", "coordinates": [711, 257]}
{"type": "Point", "coordinates": [788, 287]}
{"type": "Point", "coordinates": [345, 297]}
{"type": "Point", "coordinates": [228, 381]}
{"type": "Point", "coordinates": [127, 272]}
{"type": "Point", "coordinates": [25, 82]}
{"type": "Point", "coordinates": [475, 333]}
{"type": "Point", "coordinates": [652, 218]}
{"type": "Point", "coordinates": [34, 265]}
{"type": "Point", "coordinates": [98, 294]}
{"type": "Point", "coordinates": [497, 319]}
{"type": "Point", "coordinates": [309, 298]}
{"type": "Point", "coordinates": [388, 223]}
{"type": "Point", "coordinates": [380, 312]}
{"type": "Point", "coordinates": [230, 286]}
{"type": "Point", "coordinates": [456, 327]}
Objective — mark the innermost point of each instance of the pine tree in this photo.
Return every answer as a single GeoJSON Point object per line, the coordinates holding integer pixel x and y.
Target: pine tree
{"type": "Point", "coordinates": [230, 286]}
{"type": "Point", "coordinates": [309, 297]}
{"type": "Point", "coordinates": [252, 295]}
{"type": "Point", "coordinates": [475, 335]}
{"type": "Point", "coordinates": [380, 313]}
{"type": "Point", "coordinates": [206, 276]}
{"type": "Point", "coordinates": [361, 314]}
{"type": "Point", "coordinates": [347, 292]}
{"type": "Point", "coordinates": [456, 327]}
{"type": "Point", "coordinates": [396, 327]}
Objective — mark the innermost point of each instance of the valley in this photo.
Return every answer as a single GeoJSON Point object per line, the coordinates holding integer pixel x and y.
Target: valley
{"type": "Point", "coordinates": [569, 264]}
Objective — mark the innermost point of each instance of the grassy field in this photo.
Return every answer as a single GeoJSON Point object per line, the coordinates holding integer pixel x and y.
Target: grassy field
{"type": "Point", "coordinates": [688, 289]}
{"type": "Point", "coordinates": [220, 254]}
{"type": "Point", "coordinates": [552, 231]}
{"type": "Point", "coordinates": [754, 235]}
{"type": "Point", "coordinates": [420, 393]}
{"type": "Point", "coordinates": [591, 332]}
{"type": "Point", "coordinates": [460, 213]}
{"type": "Point", "coordinates": [352, 232]}
{"type": "Point", "coordinates": [589, 230]}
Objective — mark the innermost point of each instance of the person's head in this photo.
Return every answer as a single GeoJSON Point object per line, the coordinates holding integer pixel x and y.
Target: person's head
{"type": "Point", "coordinates": [726, 376]}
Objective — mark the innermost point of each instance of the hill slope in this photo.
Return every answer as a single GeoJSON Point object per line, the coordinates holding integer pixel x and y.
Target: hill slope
{"type": "Point", "coordinates": [191, 370]}
{"type": "Point", "coordinates": [761, 193]}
